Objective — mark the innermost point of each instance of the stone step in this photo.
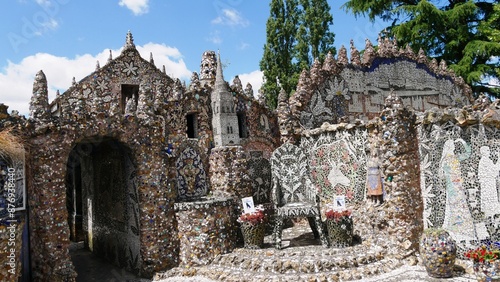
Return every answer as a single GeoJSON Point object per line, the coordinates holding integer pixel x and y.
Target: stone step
{"type": "Point", "coordinates": [232, 274]}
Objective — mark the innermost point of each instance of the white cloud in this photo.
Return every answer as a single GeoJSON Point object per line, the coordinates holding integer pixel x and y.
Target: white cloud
{"type": "Point", "coordinates": [214, 37]}
{"type": "Point", "coordinates": [230, 17]}
{"type": "Point", "coordinates": [255, 78]}
{"type": "Point", "coordinates": [43, 2]}
{"type": "Point", "coordinates": [16, 80]}
{"type": "Point", "coordinates": [243, 46]}
{"type": "Point", "coordinates": [138, 7]}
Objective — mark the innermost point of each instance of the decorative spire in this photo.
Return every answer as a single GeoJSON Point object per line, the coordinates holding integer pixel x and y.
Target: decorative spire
{"type": "Point", "coordinates": [342, 56]}
{"type": "Point", "coordinates": [237, 86]}
{"type": "Point", "coordinates": [421, 57]}
{"type": "Point", "coordinates": [73, 81]}
{"type": "Point", "coordinates": [369, 53]}
{"type": "Point", "coordinates": [39, 105]}
{"type": "Point", "coordinates": [151, 60]}
{"type": "Point", "coordinates": [110, 58]}
{"type": "Point", "coordinates": [329, 64]}
{"type": "Point", "coordinates": [219, 76]}
{"type": "Point", "coordinates": [129, 43]}
{"type": "Point", "coordinates": [249, 90]}
{"type": "Point", "coordinates": [355, 59]}
{"type": "Point", "coordinates": [164, 70]}
{"type": "Point", "coordinates": [97, 66]}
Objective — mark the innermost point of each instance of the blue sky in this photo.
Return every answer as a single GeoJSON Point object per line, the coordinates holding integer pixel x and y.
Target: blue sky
{"type": "Point", "coordinates": [65, 38]}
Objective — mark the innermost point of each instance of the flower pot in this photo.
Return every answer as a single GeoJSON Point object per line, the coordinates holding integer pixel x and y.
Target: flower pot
{"type": "Point", "coordinates": [487, 271]}
{"type": "Point", "coordinates": [253, 234]}
{"type": "Point", "coordinates": [339, 232]}
{"type": "Point", "coordinates": [438, 251]}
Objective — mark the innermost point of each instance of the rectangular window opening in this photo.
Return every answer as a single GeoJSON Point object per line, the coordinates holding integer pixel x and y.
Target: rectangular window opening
{"type": "Point", "coordinates": [192, 125]}
{"type": "Point", "coordinates": [242, 125]}
{"type": "Point", "coordinates": [129, 91]}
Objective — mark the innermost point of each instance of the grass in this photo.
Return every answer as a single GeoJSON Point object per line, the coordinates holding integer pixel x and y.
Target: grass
{"type": "Point", "coordinates": [11, 146]}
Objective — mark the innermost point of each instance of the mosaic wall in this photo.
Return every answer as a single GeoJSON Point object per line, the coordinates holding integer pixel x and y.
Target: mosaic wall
{"type": "Point", "coordinates": [337, 163]}
{"type": "Point", "coordinates": [341, 91]}
{"type": "Point", "coordinates": [460, 180]}
{"type": "Point", "coordinates": [259, 171]}
{"type": "Point", "coordinates": [229, 173]}
{"type": "Point", "coordinates": [167, 127]}
{"type": "Point", "coordinates": [328, 104]}
{"type": "Point", "coordinates": [206, 229]}
{"type": "Point", "coordinates": [291, 182]}
{"type": "Point", "coordinates": [191, 176]}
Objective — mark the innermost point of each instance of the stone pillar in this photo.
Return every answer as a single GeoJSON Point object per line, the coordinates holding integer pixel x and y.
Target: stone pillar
{"type": "Point", "coordinates": [39, 104]}
{"type": "Point", "coordinates": [403, 204]}
{"type": "Point", "coordinates": [229, 173]}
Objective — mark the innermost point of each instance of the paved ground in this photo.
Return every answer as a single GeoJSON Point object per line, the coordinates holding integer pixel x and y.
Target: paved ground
{"type": "Point", "coordinates": [91, 268]}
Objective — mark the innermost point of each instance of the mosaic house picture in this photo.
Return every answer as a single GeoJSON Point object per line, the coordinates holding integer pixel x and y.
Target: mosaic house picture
{"type": "Point", "coordinates": [148, 173]}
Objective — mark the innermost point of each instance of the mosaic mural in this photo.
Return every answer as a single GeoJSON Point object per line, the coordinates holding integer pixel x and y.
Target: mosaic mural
{"type": "Point", "coordinates": [290, 178]}
{"type": "Point", "coordinates": [460, 180]}
{"type": "Point", "coordinates": [191, 176]}
{"type": "Point", "coordinates": [327, 104]}
{"type": "Point", "coordinates": [259, 170]}
{"type": "Point", "coordinates": [337, 164]}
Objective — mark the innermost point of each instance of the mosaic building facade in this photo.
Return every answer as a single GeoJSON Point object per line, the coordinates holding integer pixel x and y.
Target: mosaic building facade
{"type": "Point", "coordinates": [131, 153]}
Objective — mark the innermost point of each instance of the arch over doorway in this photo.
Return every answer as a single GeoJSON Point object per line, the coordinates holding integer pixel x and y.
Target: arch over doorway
{"type": "Point", "coordinates": [102, 200]}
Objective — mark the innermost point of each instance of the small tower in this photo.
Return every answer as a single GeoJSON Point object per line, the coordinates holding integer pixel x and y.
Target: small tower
{"type": "Point", "coordinates": [225, 119]}
{"type": "Point", "coordinates": [208, 68]}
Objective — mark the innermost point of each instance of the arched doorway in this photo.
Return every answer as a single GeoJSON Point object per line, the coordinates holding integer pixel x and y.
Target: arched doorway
{"type": "Point", "coordinates": [102, 200]}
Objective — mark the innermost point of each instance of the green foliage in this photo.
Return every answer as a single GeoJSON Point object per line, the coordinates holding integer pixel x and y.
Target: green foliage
{"type": "Point", "coordinates": [464, 33]}
{"type": "Point", "coordinates": [297, 31]}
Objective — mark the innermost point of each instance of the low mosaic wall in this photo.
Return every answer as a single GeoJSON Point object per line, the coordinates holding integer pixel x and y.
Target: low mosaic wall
{"type": "Point", "coordinates": [206, 229]}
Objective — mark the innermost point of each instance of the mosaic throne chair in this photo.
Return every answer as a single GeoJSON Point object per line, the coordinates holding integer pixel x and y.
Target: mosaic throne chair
{"type": "Point", "coordinates": [293, 194]}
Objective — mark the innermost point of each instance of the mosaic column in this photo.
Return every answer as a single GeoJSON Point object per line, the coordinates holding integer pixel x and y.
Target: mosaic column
{"type": "Point", "coordinates": [403, 204]}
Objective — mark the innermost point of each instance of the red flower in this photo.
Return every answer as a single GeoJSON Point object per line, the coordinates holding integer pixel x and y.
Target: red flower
{"type": "Point", "coordinates": [489, 252]}
{"type": "Point", "coordinates": [252, 218]}
{"type": "Point", "coordinates": [337, 215]}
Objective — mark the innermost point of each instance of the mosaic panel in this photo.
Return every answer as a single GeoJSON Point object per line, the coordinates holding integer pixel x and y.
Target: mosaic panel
{"type": "Point", "coordinates": [290, 175]}
{"type": "Point", "coordinates": [191, 176]}
{"type": "Point", "coordinates": [337, 163]}
{"type": "Point", "coordinates": [327, 104]}
{"type": "Point", "coordinates": [259, 170]}
{"type": "Point", "coordinates": [460, 181]}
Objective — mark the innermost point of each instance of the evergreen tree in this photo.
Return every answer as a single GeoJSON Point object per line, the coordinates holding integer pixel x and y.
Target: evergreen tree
{"type": "Point", "coordinates": [462, 32]}
{"type": "Point", "coordinates": [297, 31]}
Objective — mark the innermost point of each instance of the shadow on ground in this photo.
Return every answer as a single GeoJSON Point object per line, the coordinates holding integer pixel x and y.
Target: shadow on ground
{"type": "Point", "coordinates": [92, 268]}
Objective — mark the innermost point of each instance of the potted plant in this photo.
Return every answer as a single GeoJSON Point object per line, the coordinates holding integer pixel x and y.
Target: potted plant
{"type": "Point", "coordinates": [253, 228]}
{"type": "Point", "coordinates": [438, 251]}
{"type": "Point", "coordinates": [339, 227]}
{"type": "Point", "coordinates": [486, 261]}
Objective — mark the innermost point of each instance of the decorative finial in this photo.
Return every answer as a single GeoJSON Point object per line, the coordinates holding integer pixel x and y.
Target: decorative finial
{"type": "Point", "coordinates": [58, 93]}
{"type": "Point", "coordinates": [151, 60]}
{"type": "Point", "coordinates": [110, 58]}
{"type": "Point", "coordinates": [164, 70]}
{"type": "Point", "coordinates": [369, 53]}
{"type": "Point", "coordinates": [342, 56]}
{"type": "Point", "coordinates": [329, 64]}
{"type": "Point", "coordinates": [219, 76]}
{"type": "Point", "coordinates": [97, 66]}
{"type": "Point", "coordinates": [73, 81]}
{"type": "Point", "coordinates": [355, 59]}
{"type": "Point", "coordinates": [130, 41]}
